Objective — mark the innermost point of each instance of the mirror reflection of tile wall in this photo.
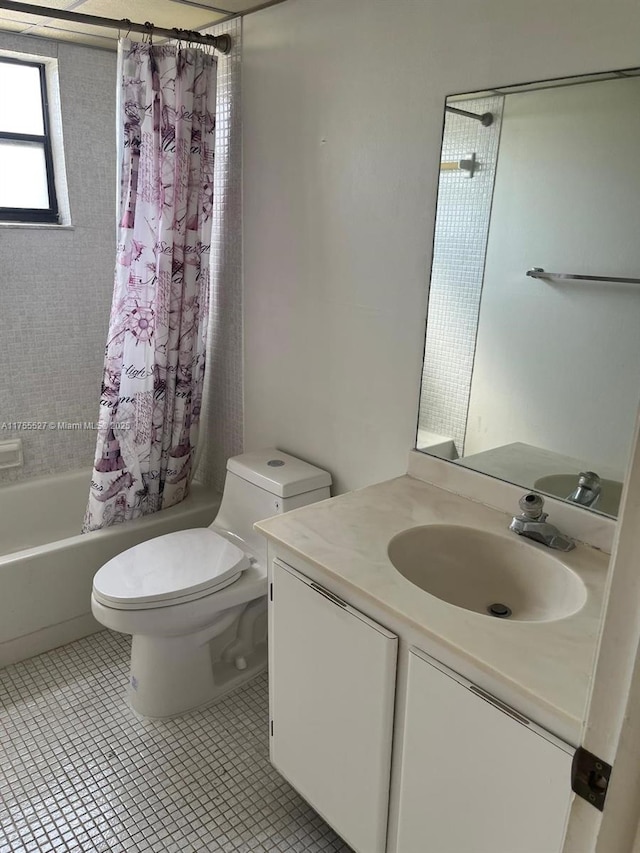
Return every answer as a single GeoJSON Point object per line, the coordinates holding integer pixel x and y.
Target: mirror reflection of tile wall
{"type": "Point", "coordinates": [462, 225]}
{"type": "Point", "coordinates": [535, 380]}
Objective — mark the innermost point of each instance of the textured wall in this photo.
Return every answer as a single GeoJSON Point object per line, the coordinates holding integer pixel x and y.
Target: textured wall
{"type": "Point", "coordinates": [459, 249]}
{"type": "Point", "coordinates": [56, 284]}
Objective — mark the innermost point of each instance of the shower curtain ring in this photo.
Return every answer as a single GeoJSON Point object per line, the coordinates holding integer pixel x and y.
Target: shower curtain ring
{"type": "Point", "coordinates": [124, 22]}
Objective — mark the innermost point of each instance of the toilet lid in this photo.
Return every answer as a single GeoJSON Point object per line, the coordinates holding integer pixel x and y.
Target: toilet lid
{"type": "Point", "coordinates": [189, 563]}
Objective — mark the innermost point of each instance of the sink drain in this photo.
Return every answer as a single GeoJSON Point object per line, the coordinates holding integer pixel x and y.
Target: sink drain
{"type": "Point", "coordinates": [499, 610]}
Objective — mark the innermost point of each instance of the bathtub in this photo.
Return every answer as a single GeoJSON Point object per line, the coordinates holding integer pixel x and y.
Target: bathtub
{"type": "Point", "coordinates": [47, 566]}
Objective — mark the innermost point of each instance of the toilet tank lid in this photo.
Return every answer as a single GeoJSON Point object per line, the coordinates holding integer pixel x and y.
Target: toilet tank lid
{"type": "Point", "coordinates": [279, 473]}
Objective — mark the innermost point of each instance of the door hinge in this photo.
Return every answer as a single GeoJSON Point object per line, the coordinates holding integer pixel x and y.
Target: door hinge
{"type": "Point", "coordinates": [590, 777]}
{"type": "Point", "coordinates": [271, 728]}
{"type": "Point", "coordinates": [270, 592]}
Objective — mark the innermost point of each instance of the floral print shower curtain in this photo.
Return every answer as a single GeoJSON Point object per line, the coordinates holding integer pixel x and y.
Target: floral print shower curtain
{"type": "Point", "coordinates": [156, 345]}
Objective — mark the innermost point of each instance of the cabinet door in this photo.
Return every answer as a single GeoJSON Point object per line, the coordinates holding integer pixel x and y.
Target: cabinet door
{"type": "Point", "coordinates": [332, 686]}
{"type": "Point", "coordinates": [476, 776]}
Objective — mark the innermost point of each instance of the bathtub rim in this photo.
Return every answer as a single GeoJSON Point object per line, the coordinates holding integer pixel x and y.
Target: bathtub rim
{"type": "Point", "coordinates": [198, 492]}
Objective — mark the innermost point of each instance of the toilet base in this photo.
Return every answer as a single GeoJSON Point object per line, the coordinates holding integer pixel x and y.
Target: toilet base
{"type": "Point", "coordinates": [226, 679]}
{"type": "Point", "coordinates": [173, 675]}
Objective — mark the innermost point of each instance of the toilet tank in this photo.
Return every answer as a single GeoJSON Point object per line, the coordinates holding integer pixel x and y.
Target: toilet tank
{"type": "Point", "coordinates": [265, 483]}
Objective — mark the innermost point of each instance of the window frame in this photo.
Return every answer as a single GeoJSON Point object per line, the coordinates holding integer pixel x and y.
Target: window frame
{"type": "Point", "coordinates": [35, 214]}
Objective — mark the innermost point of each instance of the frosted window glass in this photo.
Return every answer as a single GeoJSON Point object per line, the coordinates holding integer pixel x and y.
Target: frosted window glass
{"type": "Point", "coordinates": [20, 99]}
{"type": "Point", "coordinates": [23, 175]}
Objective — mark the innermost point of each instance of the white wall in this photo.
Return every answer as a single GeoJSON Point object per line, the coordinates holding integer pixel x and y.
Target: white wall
{"type": "Point", "coordinates": [342, 121]}
{"type": "Point", "coordinates": [558, 365]}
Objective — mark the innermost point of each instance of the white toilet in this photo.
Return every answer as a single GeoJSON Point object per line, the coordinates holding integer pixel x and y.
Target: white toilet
{"type": "Point", "coordinates": [195, 601]}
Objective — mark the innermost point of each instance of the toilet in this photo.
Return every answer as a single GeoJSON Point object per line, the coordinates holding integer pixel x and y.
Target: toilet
{"type": "Point", "coordinates": [194, 601]}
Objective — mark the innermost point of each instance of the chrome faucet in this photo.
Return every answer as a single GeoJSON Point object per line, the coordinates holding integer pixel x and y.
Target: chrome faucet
{"type": "Point", "coordinates": [587, 492]}
{"type": "Point", "coordinates": [532, 523]}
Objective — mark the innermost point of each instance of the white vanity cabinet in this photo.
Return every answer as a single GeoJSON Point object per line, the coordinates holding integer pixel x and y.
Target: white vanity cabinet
{"type": "Point", "coordinates": [476, 777]}
{"type": "Point", "coordinates": [331, 697]}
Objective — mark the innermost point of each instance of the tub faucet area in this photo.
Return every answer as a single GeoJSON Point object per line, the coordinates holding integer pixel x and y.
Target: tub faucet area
{"type": "Point", "coordinates": [532, 523]}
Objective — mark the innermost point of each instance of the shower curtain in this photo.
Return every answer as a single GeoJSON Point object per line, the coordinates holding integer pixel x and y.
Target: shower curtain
{"type": "Point", "coordinates": [156, 345]}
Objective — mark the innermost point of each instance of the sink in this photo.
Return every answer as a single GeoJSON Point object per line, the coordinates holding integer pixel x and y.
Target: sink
{"type": "Point", "coordinates": [562, 485]}
{"type": "Point", "coordinates": [498, 576]}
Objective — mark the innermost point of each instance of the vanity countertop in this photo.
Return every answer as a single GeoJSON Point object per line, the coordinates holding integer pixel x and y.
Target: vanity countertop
{"type": "Point", "coordinates": [347, 537]}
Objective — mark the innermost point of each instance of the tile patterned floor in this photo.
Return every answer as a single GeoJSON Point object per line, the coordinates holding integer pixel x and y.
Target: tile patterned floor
{"type": "Point", "coordinates": [78, 772]}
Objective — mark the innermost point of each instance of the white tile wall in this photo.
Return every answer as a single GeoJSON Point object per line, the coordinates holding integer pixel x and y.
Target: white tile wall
{"type": "Point", "coordinates": [57, 284]}
{"type": "Point", "coordinates": [222, 426]}
{"type": "Point", "coordinates": [462, 225]}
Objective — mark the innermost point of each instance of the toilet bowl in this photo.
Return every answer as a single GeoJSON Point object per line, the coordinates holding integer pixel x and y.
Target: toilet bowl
{"type": "Point", "coordinates": [194, 601]}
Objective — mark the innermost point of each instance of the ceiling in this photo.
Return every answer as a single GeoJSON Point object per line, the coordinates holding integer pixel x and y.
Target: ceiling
{"type": "Point", "coordinates": [185, 14]}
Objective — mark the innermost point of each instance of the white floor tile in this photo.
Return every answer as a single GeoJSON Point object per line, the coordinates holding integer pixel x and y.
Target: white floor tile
{"type": "Point", "coordinates": [79, 772]}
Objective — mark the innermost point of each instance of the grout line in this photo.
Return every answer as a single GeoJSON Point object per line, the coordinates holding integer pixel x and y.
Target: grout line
{"type": "Point", "coordinates": [79, 772]}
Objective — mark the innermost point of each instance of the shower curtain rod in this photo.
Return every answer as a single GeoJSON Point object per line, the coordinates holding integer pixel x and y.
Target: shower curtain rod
{"type": "Point", "coordinates": [221, 43]}
{"type": "Point", "coordinates": [485, 119]}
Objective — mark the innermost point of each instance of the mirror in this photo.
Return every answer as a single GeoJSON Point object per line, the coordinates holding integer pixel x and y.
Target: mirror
{"type": "Point", "coordinates": [532, 353]}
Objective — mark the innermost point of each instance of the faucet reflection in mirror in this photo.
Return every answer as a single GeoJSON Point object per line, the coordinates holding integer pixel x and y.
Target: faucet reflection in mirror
{"type": "Point", "coordinates": [534, 379]}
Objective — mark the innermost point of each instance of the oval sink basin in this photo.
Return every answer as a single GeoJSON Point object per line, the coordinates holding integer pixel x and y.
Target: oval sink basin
{"type": "Point", "coordinates": [562, 485]}
{"type": "Point", "coordinates": [498, 576]}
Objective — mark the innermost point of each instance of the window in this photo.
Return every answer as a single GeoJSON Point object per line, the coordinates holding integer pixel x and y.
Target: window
{"type": "Point", "coordinates": [27, 188]}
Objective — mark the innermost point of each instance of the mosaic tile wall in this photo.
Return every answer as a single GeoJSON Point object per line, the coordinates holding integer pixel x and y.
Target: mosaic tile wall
{"type": "Point", "coordinates": [57, 284]}
{"type": "Point", "coordinates": [462, 226]}
{"type": "Point", "coordinates": [223, 410]}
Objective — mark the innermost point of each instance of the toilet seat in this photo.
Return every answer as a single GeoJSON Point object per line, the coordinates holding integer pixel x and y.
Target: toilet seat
{"type": "Point", "coordinates": [170, 569]}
